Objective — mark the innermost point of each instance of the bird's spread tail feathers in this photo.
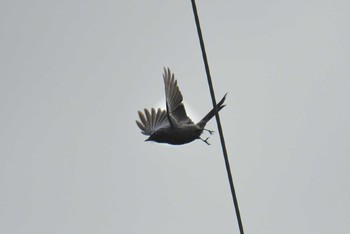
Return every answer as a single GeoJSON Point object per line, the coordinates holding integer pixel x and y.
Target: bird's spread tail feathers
{"type": "Point", "coordinates": [211, 113]}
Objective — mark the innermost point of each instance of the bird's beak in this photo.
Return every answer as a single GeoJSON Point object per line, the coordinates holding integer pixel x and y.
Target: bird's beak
{"type": "Point", "coordinates": [148, 139]}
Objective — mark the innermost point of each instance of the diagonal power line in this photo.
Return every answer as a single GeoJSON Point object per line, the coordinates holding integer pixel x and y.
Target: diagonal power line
{"type": "Point", "coordinates": [222, 139]}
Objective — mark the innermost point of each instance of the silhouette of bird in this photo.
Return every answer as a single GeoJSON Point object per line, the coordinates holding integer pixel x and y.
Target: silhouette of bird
{"type": "Point", "coordinates": [172, 125]}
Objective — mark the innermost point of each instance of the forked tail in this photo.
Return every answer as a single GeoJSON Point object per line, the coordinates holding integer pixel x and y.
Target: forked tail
{"type": "Point", "coordinates": [211, 113]}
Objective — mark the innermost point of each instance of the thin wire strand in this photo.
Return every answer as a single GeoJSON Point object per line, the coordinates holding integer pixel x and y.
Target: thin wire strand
{"type": "Point", "coordinates": [222, 139]}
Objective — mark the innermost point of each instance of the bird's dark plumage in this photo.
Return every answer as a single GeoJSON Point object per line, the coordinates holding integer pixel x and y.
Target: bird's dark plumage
{"type": "Point", "coordinates": [172, 125]}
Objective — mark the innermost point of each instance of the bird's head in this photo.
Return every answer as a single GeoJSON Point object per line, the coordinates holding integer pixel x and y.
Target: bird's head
{"type": "Point", "coordinates": [158, 136]}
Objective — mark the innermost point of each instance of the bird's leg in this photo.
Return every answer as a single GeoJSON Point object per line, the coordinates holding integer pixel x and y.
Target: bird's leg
{"type": "Point", "coordinates": [210, 132]}
{"type": "Point", "coordinates": [205, 141]}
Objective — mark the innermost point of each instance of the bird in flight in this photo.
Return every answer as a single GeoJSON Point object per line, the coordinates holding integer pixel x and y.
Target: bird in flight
{"type": "Point", "coordinates": [172, 125]}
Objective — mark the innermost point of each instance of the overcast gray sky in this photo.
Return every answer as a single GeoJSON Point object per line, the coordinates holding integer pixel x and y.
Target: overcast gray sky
{"type": "Point", "coordinates": [74, 74]}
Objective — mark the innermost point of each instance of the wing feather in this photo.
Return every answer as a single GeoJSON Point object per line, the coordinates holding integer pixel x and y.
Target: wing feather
{"type": "Point", "coordinates": [142, 117]}
{"type": "Point", "coordinates": [148, 115]}
{"type": "Point", "coordinates": [152, 121]}
{"type": "Point", "coordinates": [176, 109]}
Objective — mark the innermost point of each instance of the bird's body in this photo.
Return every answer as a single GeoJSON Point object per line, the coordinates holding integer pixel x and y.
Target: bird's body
{"type": "Point", "coordinates": [172, 125]}
{"type": "Point", "coordinates": [178, 135]}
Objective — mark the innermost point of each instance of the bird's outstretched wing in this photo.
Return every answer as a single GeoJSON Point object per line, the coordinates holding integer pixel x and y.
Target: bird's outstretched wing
{"type": "Point", "coordinates": [175, 109]}
{"type": "Point", "coordinates": [153, 121]}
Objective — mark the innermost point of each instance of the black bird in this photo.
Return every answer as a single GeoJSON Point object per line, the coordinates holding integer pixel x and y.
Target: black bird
{"type": "Point", "coordinates": [172, 125]}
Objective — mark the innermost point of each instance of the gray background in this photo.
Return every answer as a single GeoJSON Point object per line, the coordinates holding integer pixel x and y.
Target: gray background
{"type": "Point", "coordinates": [74, 73]}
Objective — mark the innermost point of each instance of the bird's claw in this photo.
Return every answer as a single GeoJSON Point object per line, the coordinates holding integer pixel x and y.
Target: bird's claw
{"type": "Point", "coordinates": [206, 141]}
{"type": "Point", "coordinates": [210, 131]}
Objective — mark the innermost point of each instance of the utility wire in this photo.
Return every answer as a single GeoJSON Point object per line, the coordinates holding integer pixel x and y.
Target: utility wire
{"type": "Point", "coordinates": [222, 139]}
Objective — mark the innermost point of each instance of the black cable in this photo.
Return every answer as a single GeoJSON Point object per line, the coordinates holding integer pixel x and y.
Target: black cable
{"type": "Point", "coordinates": [222, 139]}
